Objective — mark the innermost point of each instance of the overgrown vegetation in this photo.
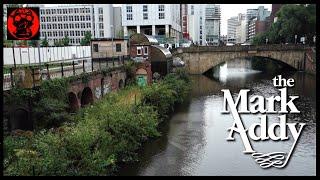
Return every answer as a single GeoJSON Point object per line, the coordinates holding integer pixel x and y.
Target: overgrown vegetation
{"type": "Point", "coordinates": [100, 136]}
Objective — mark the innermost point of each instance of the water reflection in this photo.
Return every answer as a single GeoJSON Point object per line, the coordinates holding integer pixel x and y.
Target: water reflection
{"type": "Point", "coordinates": [194, 139]}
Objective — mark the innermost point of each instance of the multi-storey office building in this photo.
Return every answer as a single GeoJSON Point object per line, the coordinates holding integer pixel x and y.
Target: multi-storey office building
{"type": "Point", "coordinates": [212, 24]}
{"type": "Point", "coordinates": [75, 20]}
{"type": "Point", "coordinates": [196, 23]}
{"type": "Point", "coordinates": [160, 20]}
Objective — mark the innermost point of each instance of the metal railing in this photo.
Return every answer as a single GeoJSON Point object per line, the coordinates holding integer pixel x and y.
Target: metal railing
{"type": "Point", "coordinates": [65, 69]}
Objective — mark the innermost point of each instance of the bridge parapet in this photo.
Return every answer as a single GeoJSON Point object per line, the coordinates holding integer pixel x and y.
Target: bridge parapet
{"type": "Point", "coordinates": [273, 47]}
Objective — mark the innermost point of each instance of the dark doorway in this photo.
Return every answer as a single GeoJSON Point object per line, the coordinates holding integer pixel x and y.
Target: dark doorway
{"type": "Point", "coordinates": [73, 102]}
{"type": "Point", "coordinates": [86, 97]}
{"type": "Point", "coordinates": [21, 120]}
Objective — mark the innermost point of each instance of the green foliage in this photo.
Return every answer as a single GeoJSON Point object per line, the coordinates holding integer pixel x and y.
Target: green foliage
{"type": "Point", "coordinates": [292, 20]}
{"type": "Point", "coordinates": [130, 69]}
{"type": "Point", "coordinates": [45, 42]}
{"type": "Point", "coordinates": [66, 40]}
{"type": "Point", "coordinates": [86, 40]}
{"type": "Point", "coordinates": [163, 95]}
{"type": "Point", "coordinates": [102, 135]}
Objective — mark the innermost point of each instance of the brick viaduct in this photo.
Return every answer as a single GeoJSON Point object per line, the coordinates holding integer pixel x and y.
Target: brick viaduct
{"type": "Point", "coordinates": [202, 58]}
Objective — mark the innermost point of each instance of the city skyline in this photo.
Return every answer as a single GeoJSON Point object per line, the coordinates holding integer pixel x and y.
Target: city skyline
{"type": "Point", "coordinates": [227, 11]}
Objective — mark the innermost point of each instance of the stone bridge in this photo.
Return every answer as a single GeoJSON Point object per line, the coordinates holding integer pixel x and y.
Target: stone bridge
{"type": "Point", "coordinates": [202, 58]}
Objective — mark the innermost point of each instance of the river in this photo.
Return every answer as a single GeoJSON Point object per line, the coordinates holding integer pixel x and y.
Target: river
{"type": "Point", "coordinates": [193, 140]}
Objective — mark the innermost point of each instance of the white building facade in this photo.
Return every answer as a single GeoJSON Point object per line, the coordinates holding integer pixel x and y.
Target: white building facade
{"type": "Point", "coordinates": [212, 24]}
{"type": "Point", "coordinates": [74, 21]}
{"type": "Point", "coordinates": [196, 23]}
{"type": "Point", "coordinates": [159, 20]}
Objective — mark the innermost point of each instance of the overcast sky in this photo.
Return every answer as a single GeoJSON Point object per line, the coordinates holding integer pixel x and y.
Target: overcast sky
{"type": "Point", "coordinates": [227, 11]}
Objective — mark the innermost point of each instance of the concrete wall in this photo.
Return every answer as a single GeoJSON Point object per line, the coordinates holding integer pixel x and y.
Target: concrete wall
{"type": "Point", "coordinates": [47, 54]}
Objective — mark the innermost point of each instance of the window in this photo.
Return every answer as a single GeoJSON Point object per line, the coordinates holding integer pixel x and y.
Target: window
{"type": "Point", "coordinates": [83, 25]}
{"type": "Point", "coordinates": [65, 18]}
{"type": "Point", "coordinates": [145, 16]}
{"type": "Point", "coordinates": [41, 11]}
{"type": "Point", "coordinates": [76, 10]}
{"type": "Point", "coordinates": [65, 26]}
{"type": "Point", "coordinates": [59, 26]}
{"type": "Point", "coordinates": [87, 10]}
{"type": "Point", "coordinates": [54, 19]}
{"type": "Point", "coordinates": [100, 10]}
{"type": "Point", "coordinates": [70, 11]}
{"type": "Point", "coordinates": [145, 50]}
{"type": "Point", "coordinates": [65, 11]}
{"type": "Point", "coordinates": [43, 19]}
{"type": "Point", "coordinates": [100, 18]}
{"type": "Point", "coordinates": [88, 18]}
{"type": "Point", "coordinates": [43, 26]}
{"type": "Point", "coordinates": [54, 26]}
{"type": "Point", "coordinates": [145, 8]}
{"type": "Point", "coordinates": [60, 33]}
{"type": "Point", "coordinates": [66, 33]}
{"type": "Point", "coordinates": [139, 51]}
{"type": "Point", "coordinates": [47, 11]}
{"type": "Point", "coordinates": [88, 25]}
{"type": "Point", "coordinates": [161, 15]}
{"type": "Point", "coordinates": [118, 47]}
{"type": "Point", "coordinates": [53, 11]}
{"type": "Point", "coordinates": [48, 19]}
{"type": "Point", "coordinates": [100, 25]}
{"type": "Point", "coordinates": [129, 8]}
{"type": "Point", "coordinates": [82, 10]}
{"type": "Point", "coordinates": [129, 17]}
{"type": "Point", "coordinates": [82, 33]}
{"type": "Point", "coordinates": [161, 7]}
{"type": "Point", "coordinates": [49, 26]}
{"type": "Point", "coordinates": [70, 18]}
{"type": "Point", "coordinates": [192, 10]}
{"type": "Point", "coordinates": [59, 11]}
{"type": "Point", "coordinates": [71, 26]}
{"type": "Point", "coordinates": [101, 33]}
{"type": "Point", "coordinates": [71, 33]}
{"type": "Point", "coordinates": [95, 48]}
{"type": "Point", "coordinates": [76, 18]}
{"type": "Point", "coordinates": [77, 33]}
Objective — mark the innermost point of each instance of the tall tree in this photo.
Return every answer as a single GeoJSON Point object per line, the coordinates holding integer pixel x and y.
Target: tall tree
{"type": "Point", "coordinates": [66, 40]}
{"type": "Point", "coordinates": [45, 42]}
{"type": "Point", "coordinates": [86, 40]}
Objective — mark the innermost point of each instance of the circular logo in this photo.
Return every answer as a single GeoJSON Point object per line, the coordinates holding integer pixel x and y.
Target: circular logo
{"type": "Point", "coordinates": [23, 23]}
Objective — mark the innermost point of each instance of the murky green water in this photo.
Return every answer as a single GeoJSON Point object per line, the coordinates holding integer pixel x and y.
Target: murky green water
{"type": "Point", "coordinates": [194, 139]}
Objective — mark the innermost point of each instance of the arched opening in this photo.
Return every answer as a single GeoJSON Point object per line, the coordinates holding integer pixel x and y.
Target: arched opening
{"type": "Point", "coordinates": [86, 97]}
{"type": "Point", "coordinates": [21, 120]}
{"type": "Point", "coordinates": [121, 84]}
{"type": "Point", "coordinates": [73, 102]}
{"type": "Point", "coordinates": [102, 86]}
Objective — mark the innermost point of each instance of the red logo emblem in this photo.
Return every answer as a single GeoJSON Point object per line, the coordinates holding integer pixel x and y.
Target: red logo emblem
{"type": "Point", "coordinates": [23, 24]}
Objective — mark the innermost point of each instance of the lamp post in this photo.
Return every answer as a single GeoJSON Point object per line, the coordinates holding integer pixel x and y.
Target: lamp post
{"type": "Point", "coordinates": [295, 39]}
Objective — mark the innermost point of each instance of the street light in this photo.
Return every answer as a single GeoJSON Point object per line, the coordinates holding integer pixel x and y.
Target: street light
{"type": "Point", "coordinates": [266, 40]}
{"type": "Point", "coordinates": [295, 39]}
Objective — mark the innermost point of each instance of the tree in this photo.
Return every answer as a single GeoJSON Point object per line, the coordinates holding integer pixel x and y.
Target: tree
{"type": "Point", "coordinates": [120, 34]}
{"type": "Point", "coordinates": [292, 20]}
{"type": "Point", "coordinates": [45, 42]}
{"type": "Point", "coordinates": [66, 41]}
{"type": "Point", "coordinates": [58, 43]}
{"type": "Point", "coordinates": [86, 40]}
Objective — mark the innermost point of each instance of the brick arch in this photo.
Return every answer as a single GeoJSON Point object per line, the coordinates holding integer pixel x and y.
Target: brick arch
{"type": "Point", "coordinates": [21, 120]}
{"type": "Point", "coordinates": [73, 102]}
{"type": "Point", "coordinates": [86, 96]}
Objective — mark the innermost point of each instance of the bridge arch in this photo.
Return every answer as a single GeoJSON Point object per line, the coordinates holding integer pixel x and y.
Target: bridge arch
{"type": "Point", "coordinates": [21, 120]}
{"type": "Point", "coordinates": [86, 96]}
{"type": "Point", "coordinates": [73, 102]}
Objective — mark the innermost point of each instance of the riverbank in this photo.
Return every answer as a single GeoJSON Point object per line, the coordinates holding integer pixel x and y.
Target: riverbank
{"type": "Point", "coordinates": [100, 136]}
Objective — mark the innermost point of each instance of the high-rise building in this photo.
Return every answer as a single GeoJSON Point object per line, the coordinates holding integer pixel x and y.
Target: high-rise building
{"type": "Point", "coordinates": [75, 20]}
{"type": "Point", "coordinates": [212, 24]}
{"type": "Point", "coordinates": [236, 32]}
{"type": "Point", "coordinates": [260, 14]}
{"type": "Point", "coordinates": [160, 20]}
{"type": "Point", "coordinates": [184, 21]}
{"type": "Point", "coordinates": [231, 29]}
{"type": "Point", "coordinates": [196, 23]}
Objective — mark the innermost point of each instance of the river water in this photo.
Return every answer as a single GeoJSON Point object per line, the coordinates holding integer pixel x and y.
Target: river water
{"type": "Point", "coordinates": [194, 141]}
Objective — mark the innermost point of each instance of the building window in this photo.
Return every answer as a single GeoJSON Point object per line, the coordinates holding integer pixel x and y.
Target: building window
{"type": "Point", "coordinates": [100, 18]}
{"type": "Point", "coordinates": [41, 11]}
{"type": "Point", "coordinates": [83, 25]}
{"type": "Point", "coordinates": [100, 25]}
{"type": "Point", "coordinates": [82, 10]}
{"type": "Point", "coordinates": [43, 26]}
{"type": "Point", "coordinates": [192, 10]}
{"type": "Point", "coordinates": [71, 33]}
{"type": "Point", "coordinates": [101, 33]}
{"type": "Point", "coordinates": [54, 26]}
{"type": "Point", "coordinates": [161, 15]}
{"type": "Point", "coordinates": [145, 8]}
{"type": "Point", "coordinates": [129, 17]}
{"type": "Point", "coordinates": [53, 11]}
{"type": "Point", "coordinates": [145, 16]}
{"type": "Point", "coordinates": [129, 8]}
{"type": "Point", "coordinates": [59, 11]}
{"type": "Point", "coordinates": [77, 25]}
{"type": "Point", "coordinates": [76, 18]}
{"type": "Point", "coordinates": [145, 50]}
{"type": "Point", "coordinates": [82, 33]}
{"type": "Point", "coordinates": [66, 33]}
{"type": "Point", "coordinates": [65, 11]}
{"type": "Point", "coordinates": [43, 19]}
{"type": "Point", "coordinates": [88, 18]}
{"type": "Point", "coordinates": [88, 25]}
{"type": "Point", "coordinates": [70, 18]}
{"type": "Point", "coordinates": [118, 47]}
{"type": "Point", "coordinates": [71, 26]}
{"type": "Point", "coordinates": [76, 10]}
{"type": "Point", "coordinates": [161, 7]}
{"type": "Point", "coordinates": [49, 26]}
{"type": "Point", "coordinates": [139, 52]}
{"type": "Point", "coordinates": [54, 19]}
{"type": "Point", "coordinates": [70, 11]}
{"type": "Point", "coordinates": [100, 10]}
{"type": "Point", "coordinates": [87, 10]}
{"type": "Point", "coordinates": [95, 48]}
{"type": "Point", "coordinates": [47, 11]}
{"type": "Point", "coordinates": [60, 33]}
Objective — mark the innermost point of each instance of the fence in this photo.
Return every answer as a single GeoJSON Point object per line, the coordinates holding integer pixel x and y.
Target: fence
{"type": "Point", "coordinates": [64, 69]}
{"type": "Point", "coordinates": [34, 55]}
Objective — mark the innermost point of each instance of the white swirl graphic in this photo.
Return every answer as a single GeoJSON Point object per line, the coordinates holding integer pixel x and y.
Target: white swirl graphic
{"type": "Point", "coordinates": [274, 159]}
